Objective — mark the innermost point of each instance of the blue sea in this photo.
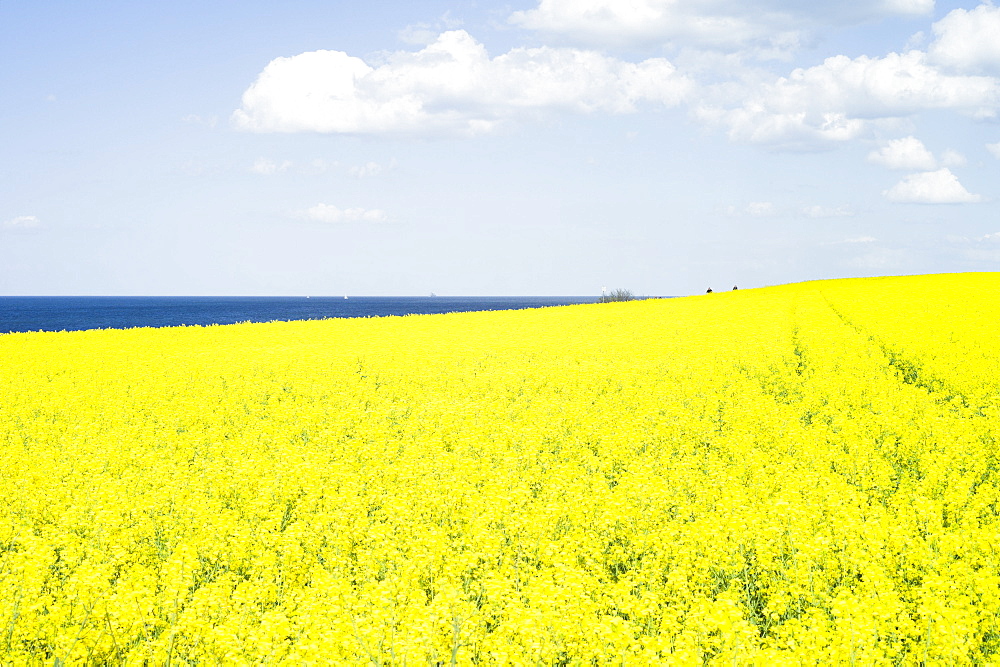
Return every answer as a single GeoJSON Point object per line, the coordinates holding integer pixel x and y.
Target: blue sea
{"type": "Point", "coordinates": [74, 313]}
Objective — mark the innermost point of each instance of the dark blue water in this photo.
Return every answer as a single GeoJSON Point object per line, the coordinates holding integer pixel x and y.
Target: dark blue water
{"type": "Point", "coordinates": [73, 313]}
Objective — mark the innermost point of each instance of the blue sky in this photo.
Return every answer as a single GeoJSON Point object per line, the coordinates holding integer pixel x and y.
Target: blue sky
{"type": "Point", "coordinates": [538, 147]}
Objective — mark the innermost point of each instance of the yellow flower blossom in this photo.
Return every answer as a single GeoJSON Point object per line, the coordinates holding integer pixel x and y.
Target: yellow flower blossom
{"type": "Point", "coordinates": [797, 474]}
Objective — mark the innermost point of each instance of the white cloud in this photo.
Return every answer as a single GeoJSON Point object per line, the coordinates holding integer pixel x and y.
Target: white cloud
{"type": "Point", "coordinates": [760, 209]}
{"type": "Point", "coordinates": [451, 86]}
{"type": "Point", "coordinates": [994, 149]}
{"type": "Point", "coordinates": [906, 7]}
{"type": "Point", "coordinates": [931, 187]}
{"type": "Point", "coordinates": [642, 21]}
{"type": "Point", "coordinates": [365, 170]}
{"type": "Point", "coordinates": [985, 248]}
{"type": "Point", "coordinates": [267, 167]}
{"type": "Point", "coordinates": [22, 222]}
{"type": "Point", "coordinates": [330, 213]}
{"type": "Point", "coordinates": [917, 41]}
{"type": "Point", "coordinates": [843, 98]}
{"type": "Point", "coordinates": [769, 26]}
{"type": "Point", "coordinates": [422, 34]}
{"type": "Point", "coordinates": [827, 212]}
{"type": "Point", "coordinates": [968, 40]}
{"type": "Point", "coordinates": [906, 153]}
{"type": "Point", "coordinates": [952, 158]}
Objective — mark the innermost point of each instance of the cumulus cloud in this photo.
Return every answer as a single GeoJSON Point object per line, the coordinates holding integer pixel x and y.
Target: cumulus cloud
{"type": "Point", "coordinates": [994, 149]}
{"type": "Point", "coordinates": [452, 85]}
{"type": "Point", "coordinates": [419, 34]}
{"type": "Point", "coordinates": [967, 40]}
{"type": "Point", "coordinates": [22, 222]}
{"type": "Point", "coordinates": [330, 213]}
{"type": "Point", "coordinates": [931, 187]}
{"type": "Point", "coordinates": [907, 153]}
{"type": "Point", "coordinates": [843, 98]}
{"type": "Point", "coordinates": [770, 25]}
{"type": "Point", "coordinates": [267, 167]}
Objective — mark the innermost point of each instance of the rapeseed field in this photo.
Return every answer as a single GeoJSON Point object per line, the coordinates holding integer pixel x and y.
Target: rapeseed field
{"type": "Point", "coordinates": [802, 474]}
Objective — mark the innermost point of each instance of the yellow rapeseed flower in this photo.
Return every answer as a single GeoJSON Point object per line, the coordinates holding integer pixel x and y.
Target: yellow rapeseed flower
{"type": "Point", "coordinates": [798, 474]}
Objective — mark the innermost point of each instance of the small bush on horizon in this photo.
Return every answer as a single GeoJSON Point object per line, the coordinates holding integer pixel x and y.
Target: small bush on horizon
{"type": "Point", "coordinates": [617, 295]}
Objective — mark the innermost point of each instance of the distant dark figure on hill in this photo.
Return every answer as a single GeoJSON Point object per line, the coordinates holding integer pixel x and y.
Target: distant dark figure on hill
{"type": "Point", "coordinates": [734, 288]}
{"type": "Point", "coordinates": [709, 291]}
